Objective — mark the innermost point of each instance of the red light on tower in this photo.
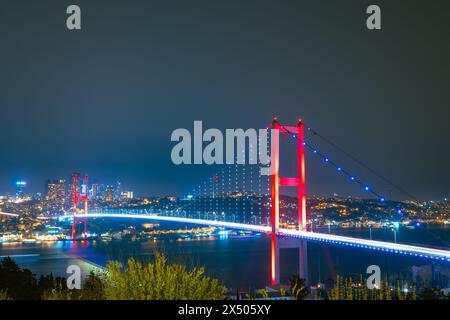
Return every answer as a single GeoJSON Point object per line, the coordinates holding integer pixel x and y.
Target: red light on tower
{"type": "Point", "coordinates": [299, 181]}
{"type": "Point", "coordinates": [83, 196]}
{"type": "Point", "coordinates": [276, 182]}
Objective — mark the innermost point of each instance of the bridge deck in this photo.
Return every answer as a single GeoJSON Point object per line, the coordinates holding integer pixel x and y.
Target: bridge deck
{"type": "Point", "coordinates": [389, 247]}
{"type": "Point", "coordinates": [8, 214]}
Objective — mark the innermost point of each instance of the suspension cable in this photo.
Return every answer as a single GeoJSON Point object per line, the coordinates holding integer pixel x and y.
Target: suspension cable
{"type": "Point", "coordinates": [353, 158]}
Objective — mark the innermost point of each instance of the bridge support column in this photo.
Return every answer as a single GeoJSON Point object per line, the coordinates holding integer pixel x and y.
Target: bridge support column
{"type": "Point", "coordinates": [275, 180]}
{"type": "Point", "coordinates": [85, 233]}
{"type": "Point", "coordinates": [75, 200]}
{"type": "Point", "coordinates": [303, 260]}
{"type": "Point", "coordinates": [274, 261]}
{"type": "Point", "coordinates": [301, 197]}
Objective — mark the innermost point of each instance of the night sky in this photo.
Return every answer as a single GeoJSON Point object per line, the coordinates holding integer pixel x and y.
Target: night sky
{"type": "Point", "coordinates": [104, 100]}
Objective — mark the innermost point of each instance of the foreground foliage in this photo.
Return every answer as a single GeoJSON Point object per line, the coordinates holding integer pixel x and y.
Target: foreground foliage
{"type": "Point", "coordinates": [158, 280]}
{"type": "Point", "coordinates": [21, 284]}
{"type": "Point", "coordinates": [347, 289]}
{"type": "Point", "coordinates": [299, 290]}
{"type": "Point", "coordinates": [4, 295]}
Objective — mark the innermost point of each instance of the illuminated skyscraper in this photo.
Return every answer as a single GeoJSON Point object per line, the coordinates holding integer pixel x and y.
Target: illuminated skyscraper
{"type": "Point", "coordinates": [20, 185]}
{"type": "Point", "coordinates": [95, 191]}
{"type": "Point", "coordinates": [55, 189]}
{"type": "Point", "coordinates": [109, 193]}
{"type": "Point", "coordinates": [118, 190]}
{"type": "Point", "coordinates": [127, 195]}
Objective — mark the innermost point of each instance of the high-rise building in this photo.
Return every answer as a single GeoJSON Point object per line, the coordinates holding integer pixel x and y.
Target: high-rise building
{"type": "Point", "coordinates": [55, 189]}
{"type": "Point", "coordinates": [127, 195]}
{"type": "Point", "coordinates": [95, 191]}
{"type": "Point", "coordinates": [20, 185]}
{"type": "Point", "coordinates": [109, 193]}
{"type": "Point", "coordinates": [70, 188]}
{"type": "Point", "coordinates": [118, 190]}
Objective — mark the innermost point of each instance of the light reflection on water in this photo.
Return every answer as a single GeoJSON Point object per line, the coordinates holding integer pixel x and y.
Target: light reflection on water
{"type": "Point", "coordinates": [239, 262]}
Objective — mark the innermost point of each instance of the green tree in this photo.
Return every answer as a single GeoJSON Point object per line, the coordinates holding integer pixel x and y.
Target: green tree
{"type": "Point", "coordinates": [317, 294]}
{"type": "Point", "coordinates": [399, 292]}
{"type": "Point", "coordinates": [386, 289]}
{"type": "Point", "coordinates": [60, 292]}
{"type": "Point", "coordinates": [19, 283]}
{"type": "Point", "coordinates": [334, 293]}
{"type": "Point", "coordinates": [4, 295]}
{"type": "Point", "coordinates": [349, 289]}
{"type": "Point", "coordinates": [144, 281]}
{"type": "Point", "coordinates": [363, 288]}
{"type": "Point", "coordinates": [299, 289]}
{"type": "Point", "coordinates": [264, 294]}
{"type": "Point", "coordinates": [93, 289]}
{"type": "Point", "coordinates": [429, 294]}
{"type": "Point", "coordinates": [159, 281]}
{"type": "Point", "coordinates": [282, 292]}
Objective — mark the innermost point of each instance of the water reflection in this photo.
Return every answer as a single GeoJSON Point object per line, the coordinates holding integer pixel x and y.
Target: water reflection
{"type": "Point", "coordinates": [245, 262]}
{"type": "Point", "coordinates": [276, 244]}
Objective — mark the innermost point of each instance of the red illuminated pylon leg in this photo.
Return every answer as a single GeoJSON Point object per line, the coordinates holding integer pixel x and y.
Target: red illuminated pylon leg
{"type": "Point", "coordinates": [74, 228]}
{"type": "Point", "coordinates": [274, 261]}
{"type": "Point", "coordinates": [274, 179]}
{"type": "Point", "coordinates": [302, 175]}
{"type": "Point", "coordinates": [86, 208]}
{"type": "Point", "coordinates": [75, 200]}
{"type": "Point", "coordinates": [76, 196]}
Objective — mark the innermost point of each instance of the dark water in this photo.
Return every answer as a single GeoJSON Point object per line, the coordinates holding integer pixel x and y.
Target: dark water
{"type": "Point", "coordinates": [245, 262]}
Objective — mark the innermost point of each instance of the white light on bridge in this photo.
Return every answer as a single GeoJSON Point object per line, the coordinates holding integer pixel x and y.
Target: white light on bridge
{"type": "Point", "coordinates": [443, 255]}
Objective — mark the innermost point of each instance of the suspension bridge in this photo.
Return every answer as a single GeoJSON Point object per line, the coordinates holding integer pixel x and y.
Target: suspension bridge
{"type": "Point", "coordinates": [223, 202]}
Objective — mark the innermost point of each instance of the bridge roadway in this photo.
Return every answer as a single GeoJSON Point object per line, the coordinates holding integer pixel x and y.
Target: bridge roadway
{"type": "Point", "coordinates": [8, 214]}
{"type": "Point", "coordinates": [381, 246]}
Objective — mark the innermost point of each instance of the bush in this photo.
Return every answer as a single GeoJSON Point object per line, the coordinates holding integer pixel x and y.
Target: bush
{"type": "Point", "coordinates": [144, 281]}
{"type": "Point", "coordinates": [4, 295]}
{"type": "Point", "coordinates": [19, 283]}
{"type": "Point", "coordinates": [160, 281]}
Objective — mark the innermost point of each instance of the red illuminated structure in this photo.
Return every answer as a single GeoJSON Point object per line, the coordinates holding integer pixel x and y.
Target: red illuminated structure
{"type": "Point", "coordinates": [79, 195]}
{"type": "Point", "coordinates": [298, 131]}
{"type": "Point", "coordinates": [277, 181]}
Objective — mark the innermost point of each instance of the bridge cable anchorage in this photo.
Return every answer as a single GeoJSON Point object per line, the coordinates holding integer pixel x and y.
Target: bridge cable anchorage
{"type": "Point", "coordinates": [362, 164]}
{"type": "Point", "coordinates": [352, 178]}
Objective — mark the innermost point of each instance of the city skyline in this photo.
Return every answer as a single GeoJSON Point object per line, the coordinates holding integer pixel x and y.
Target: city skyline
{"type": "Point", "coordinates": [22, 187]}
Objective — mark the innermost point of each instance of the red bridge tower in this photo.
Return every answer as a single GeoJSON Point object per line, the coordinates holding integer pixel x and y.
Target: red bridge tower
{"type": "Point", "coordinates": [277, 181]}
{"type": "Point", "coordinates": [298, 131]}
{"type": "Point", "coordinates": [79, 194]}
